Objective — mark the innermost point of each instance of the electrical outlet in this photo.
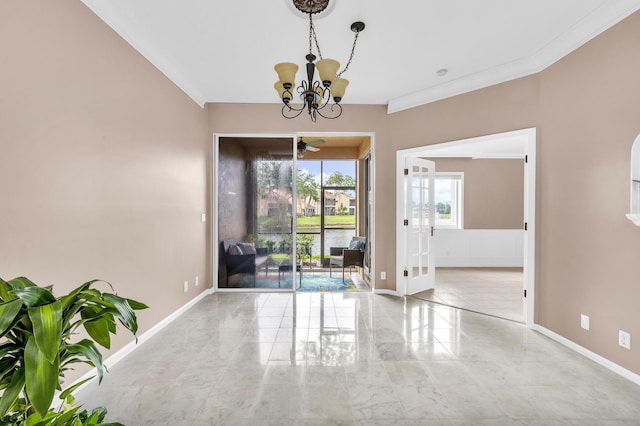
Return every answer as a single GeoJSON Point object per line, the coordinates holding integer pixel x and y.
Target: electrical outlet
{"type": "Point", "coordinates": [383, 275]}
{"type": "Point", "coordinates": [185, 286]}
{"type": "Point", "coordinates": [584, 322]}
{"type": "Point", "coordinates": [196, 281]}
{"type": "Point", "coordinates": [624, 339]}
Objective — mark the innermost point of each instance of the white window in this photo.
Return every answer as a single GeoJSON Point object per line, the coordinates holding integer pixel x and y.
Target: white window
{"type": "Point", "coordinates": [448, 199]}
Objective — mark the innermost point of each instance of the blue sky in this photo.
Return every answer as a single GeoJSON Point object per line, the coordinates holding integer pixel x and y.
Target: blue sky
{"type": "Point", "coordinates": [346, 167]}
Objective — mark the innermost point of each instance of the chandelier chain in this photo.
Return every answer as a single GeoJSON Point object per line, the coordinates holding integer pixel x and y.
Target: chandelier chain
{"type": "Point", "coordinates": [315, 95]}
{"type": "Point", "coordinates": [313, 37]}
{"type": "Point", "coordinates": [353, 50]}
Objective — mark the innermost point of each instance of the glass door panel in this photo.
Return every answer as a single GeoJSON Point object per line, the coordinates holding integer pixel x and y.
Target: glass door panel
{"type": "Point", "coordinates": [255, 212]}
{"type": "Point", "coordinates": [326, 209]}
{"type": "Point", "coordinates": [308, 218]}
{"type": "Point", "coordinates": [339, 212]}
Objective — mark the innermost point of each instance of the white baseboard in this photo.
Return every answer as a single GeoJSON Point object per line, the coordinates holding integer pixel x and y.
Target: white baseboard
{"type": "Point", "coordinates": [627, 374]}
{"type": "Point", "coordinates": [131, 346]}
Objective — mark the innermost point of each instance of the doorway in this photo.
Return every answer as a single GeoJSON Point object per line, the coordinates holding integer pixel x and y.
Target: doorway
{"type": "Point", "coordinates": [261, 205]}
{"type": "Point", "coordinates": [517, 146]}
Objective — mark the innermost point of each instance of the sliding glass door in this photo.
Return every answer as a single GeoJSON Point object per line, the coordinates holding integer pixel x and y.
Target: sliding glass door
{"type": "Point", "coordinates": [255, 212]}
{"type": "Point", "coordinates": [277, 216]}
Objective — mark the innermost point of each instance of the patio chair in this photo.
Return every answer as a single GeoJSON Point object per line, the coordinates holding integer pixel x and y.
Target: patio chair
{"type": "Point", "coordinates": [348, 256]}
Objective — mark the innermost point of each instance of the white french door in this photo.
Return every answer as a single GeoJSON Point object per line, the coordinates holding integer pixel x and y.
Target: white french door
{"type": "Point", "coordinates": [416, 268]}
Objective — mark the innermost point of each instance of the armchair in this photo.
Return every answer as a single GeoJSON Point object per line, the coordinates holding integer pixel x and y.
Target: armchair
{"type": "Point", "coordinates": [237, 257]}
{"type": "Point", "coordinates": [348, 256]}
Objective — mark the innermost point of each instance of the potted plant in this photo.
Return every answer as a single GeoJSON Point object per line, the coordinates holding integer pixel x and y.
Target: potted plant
{"type": "Point", "coordinates": [36, 347]}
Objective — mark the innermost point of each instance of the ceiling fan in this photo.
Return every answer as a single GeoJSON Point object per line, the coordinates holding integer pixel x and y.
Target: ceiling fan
{"type": "Point", "coordinates": [311, 146]}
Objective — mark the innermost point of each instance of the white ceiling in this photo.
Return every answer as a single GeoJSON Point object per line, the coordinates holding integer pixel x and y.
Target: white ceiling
{"type": "Point", "coordinates": [224, 51]}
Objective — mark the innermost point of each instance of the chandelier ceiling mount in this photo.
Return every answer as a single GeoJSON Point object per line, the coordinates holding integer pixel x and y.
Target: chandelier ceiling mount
{"type": "Point", "coordinates": [311, 6]}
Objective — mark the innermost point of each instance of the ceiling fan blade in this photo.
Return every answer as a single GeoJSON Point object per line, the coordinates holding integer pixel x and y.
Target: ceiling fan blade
{"type": "Point", "coordinates": [316, 142]}
{"type": "Point", "coordinates": [312, 148]}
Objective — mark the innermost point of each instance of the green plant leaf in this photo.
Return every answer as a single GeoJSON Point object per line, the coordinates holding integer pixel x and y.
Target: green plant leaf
{"type": "Point", "coordinates": [65, 417]}
{"type": "Point", "coordinates": [35, 353]}
{"type": "Point", "coordinates": [86, 348]}
{"type": "Point", "coordinates": [34, 296]}
{"type": "Point", "coordinates": [5, 291]}
{"type": "Point", "coordinates": [112, 324]}
{"type": "Point", "coordinates": [8, 366]}
{"type": "Point", "coordinates": [96, 325]}
{"type": "Point", "coordinates": [125, 314]}
{"type": "Point", "coordinates": [22, 282]}
{"type": "Point", "coordinates": [75, 294]}
{"type": "Point", "coordinates": [47, 328]}
{"type": "Point", "coordinates": [96, 416]}
{"type": "Point", "coordinates": [8, 347]}
{"type": "Point", "coordinates": [67, 393]}
{"type": "Point", "coordinates": [10, 394]}
{"type": "Point", "coordinates": [41, 376]}
{"type": "Point", "coordinates": [49, 419]}
{"type": "Point", "coordinates": [8, 312]}
{"type": "Point", "coordinates": [137, 306]}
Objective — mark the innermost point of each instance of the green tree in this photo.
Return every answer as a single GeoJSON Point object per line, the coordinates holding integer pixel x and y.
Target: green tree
{"type": "Point", "coordinates": [307, 188]}
{"type": "Point", "coordinates": [339, 179]}
{"type": "Point", "coordinates": [274, 186]}
{"type": "Point", "coordinates": [342, 210]}
{"type": "Point", "coordinates": [273, 177]}
{"type": "Point", "coordinates": [443, 208]}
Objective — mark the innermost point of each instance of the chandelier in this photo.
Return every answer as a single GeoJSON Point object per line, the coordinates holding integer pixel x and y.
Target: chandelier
{"type": "Point", "coordinates": [315, 95]}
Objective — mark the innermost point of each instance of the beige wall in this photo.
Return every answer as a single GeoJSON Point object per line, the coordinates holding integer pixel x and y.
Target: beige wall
{"type": "Point", "coordinates": [588, 252]}
{"type": "Point", "coordinates": [493, 191]}
{"type": "Point", "coordinates": [103, 171]}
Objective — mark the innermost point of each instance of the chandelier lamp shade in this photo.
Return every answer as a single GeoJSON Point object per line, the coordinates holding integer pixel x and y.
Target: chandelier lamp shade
{"type": "Point", "coordinates": [315, 95]}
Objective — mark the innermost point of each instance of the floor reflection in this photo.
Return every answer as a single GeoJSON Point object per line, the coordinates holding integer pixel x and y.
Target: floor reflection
{"type": "Point", "coordinates": [354, 358]}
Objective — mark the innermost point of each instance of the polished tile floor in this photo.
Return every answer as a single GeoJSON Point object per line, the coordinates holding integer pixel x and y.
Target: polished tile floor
{"type": "Point", "coordinates": [491, 291]}
{"type": "Point", "coordinates": [355, 359]}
